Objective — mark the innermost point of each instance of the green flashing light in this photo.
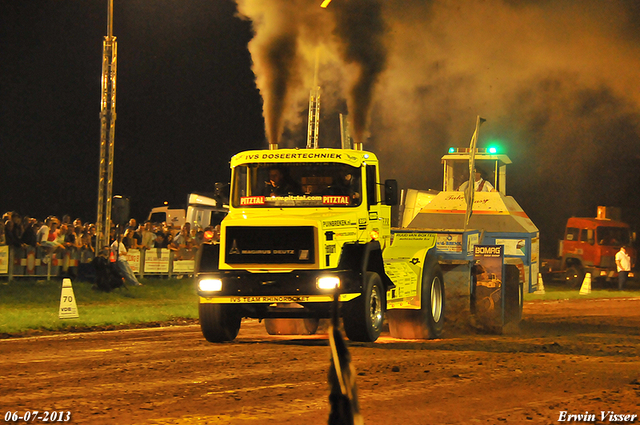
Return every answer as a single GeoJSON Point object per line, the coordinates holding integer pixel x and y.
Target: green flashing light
{"type": "Point", "coordinates": [492, 150]}
{"type": "Point", "coordinates": [452, 150]}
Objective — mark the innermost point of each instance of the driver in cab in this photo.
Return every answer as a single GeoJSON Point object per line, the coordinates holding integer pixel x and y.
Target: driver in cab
{"type": "Point", "coordinates": [279, 183]}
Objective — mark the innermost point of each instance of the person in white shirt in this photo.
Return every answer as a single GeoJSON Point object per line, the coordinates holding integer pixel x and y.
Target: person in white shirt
{"type": "Point", "coordinates": [623, 263]}
{"type": "Point", "coordinates": [120, 251]}
{"type": "Point", "coordinates": [481, 185]}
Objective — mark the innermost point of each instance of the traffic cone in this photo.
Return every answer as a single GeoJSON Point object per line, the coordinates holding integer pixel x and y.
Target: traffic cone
{"type": "Point", "coordinates": [68, 308]}
{"type": "Point", "coordinates": [540, 289]}
{"type": "Point", "coordinates": [586, 285]}
{"type": "Point", "coordinates": [112, 257]}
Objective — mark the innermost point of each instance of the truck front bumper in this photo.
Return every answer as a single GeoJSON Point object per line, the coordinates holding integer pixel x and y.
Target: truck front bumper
{"type": "Point", "coordinates": [280, 295]}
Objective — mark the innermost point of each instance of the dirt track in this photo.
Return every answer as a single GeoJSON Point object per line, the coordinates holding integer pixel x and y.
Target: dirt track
{"type": "Point", "coordinates": [574, 356]}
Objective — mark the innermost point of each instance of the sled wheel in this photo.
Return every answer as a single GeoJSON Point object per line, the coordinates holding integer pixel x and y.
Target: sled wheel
{"type": "Point", "coordinates": [291, 326]}
{"type": "Point", "coordinates": [363, 316]}
{"type": "Point", "coordinates": [514, 296]}
{"type": "Point", "coordinates": [428, 321]}
{"type": "Point", "coordinates": [219, 322]}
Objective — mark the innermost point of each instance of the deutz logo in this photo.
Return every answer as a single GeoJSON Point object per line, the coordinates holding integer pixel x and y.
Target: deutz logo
{"type": "Point", "coordinates": [234, 248]}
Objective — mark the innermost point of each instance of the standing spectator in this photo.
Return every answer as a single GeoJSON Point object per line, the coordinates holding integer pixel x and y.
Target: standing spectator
{"type": "Point", "coordinates": [66, 220]}
{"type": "Point", "coordinates": [198, 238]}
{"type": "Point", "coordinates": [29, 231]}
{"type": "Point", "coordinates": [129, 240]}
{"type": "Point", "coordinates": [120, 251]}
{"type": "Point", "coordinates": [147, 235]}
{"type": "Point", "coordinates": [133, 225]}
{"type": "Point", "coordinates": [70, 238]}
{"type": "Point", "coordinates": [161, 240]}
{"type": "Point", "coordinates": [623, 262]}
{"type": "Point", "coordinates": [62, 235]}
{"type": "Point", "coordinates": [13, 230]}
{"type": "Point", "coordinates": [182, 239]}
{"type": "Point", "coordinates": [91, 228]}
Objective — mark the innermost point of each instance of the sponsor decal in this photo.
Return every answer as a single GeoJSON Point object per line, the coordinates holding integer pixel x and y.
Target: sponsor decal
{"type": "Point", "coordinates": [515, 247]}
{"type": "Point", "coordinates": [337, 223]}
{"type": "Point", "coordinates": [488, 250]}
{"type": "Point", "coordinates": [270, 299]}
{"type": "Point", "coordinates": [295, 155]}
{"type": "Point", "coordinates": [472, 240]}
{"type": "Point", "coordinates": [4, 259]}
{"type": "Point", "coordinates": [304, 254]}
{"type": "Point", "coordinates": [252, 200]}
{"type": "Point", "coordinates": [335, 200]}
{"type": "Point", "coordinates": [234, 248]}
{"type": "Point", "coordinates": [449, 242]}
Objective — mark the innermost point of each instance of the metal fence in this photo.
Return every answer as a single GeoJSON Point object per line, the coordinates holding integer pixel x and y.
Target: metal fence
{"type": "Point", "coordinates": [35, 262]}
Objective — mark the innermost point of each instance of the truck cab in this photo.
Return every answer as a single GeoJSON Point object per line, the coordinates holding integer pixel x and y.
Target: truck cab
{"type": "Point", "coordinates": [591, 243]}
{"type": "Point", "coordinates": [301, 225]}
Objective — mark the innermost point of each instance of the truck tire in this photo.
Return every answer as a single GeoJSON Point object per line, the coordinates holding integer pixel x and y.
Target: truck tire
{"type": "Point", "coordinates": [219, 322]}
{"type": "Point", "coordinates": [574, 275]}
{"type": "Point", "coordinates": [428, 321]}
{"type": "Point", "coordinates": [291, 326]}
{"type": "Point", "coordinates": [362, 317]}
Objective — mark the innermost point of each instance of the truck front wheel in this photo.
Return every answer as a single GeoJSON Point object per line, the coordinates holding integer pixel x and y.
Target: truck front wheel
{"type": "Point", "coordinates": [428, 321]}
{"type": "Point", "coordinates": [574, 275]}
{"type": "Point", "coordinates": [219, 322]}
{"type": "Point", "coordinates": [363, 317]}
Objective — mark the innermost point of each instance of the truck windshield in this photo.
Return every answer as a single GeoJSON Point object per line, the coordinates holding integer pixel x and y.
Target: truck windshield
{"type": "Point", "coordinates": [613, 235]}
{"type": "Point", "coordinates": [296, 184]}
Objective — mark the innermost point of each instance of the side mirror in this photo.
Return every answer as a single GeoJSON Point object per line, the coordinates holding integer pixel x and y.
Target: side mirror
{"type": "Point", "coordinates": [391, 192]}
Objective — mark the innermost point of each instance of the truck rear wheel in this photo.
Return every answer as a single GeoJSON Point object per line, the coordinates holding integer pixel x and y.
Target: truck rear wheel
{"type": "Point", "coordinates": [428, 321]}
{"type": "Point", "coordinates": [219, 322]}
{"type": "Point", "coordinates": [363, 317]}
{"type": "Point", "coordinates": [291, 326]}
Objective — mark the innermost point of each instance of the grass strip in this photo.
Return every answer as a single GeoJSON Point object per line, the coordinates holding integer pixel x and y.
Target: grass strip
{"type": "Point", "coordinates": [27, 305]}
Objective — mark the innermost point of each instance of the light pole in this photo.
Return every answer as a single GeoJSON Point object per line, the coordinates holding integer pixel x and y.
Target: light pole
{"type": "Point", "coordinates": [107, 133]}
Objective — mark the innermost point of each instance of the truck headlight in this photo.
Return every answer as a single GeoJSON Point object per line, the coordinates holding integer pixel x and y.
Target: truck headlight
{"type": "Point", "coordinates": [210, 285]}
{"type": "Point", "coordinates": [328, 282]}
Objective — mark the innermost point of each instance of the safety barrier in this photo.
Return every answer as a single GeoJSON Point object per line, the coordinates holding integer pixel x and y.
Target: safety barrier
{"type": "Point", "coordinates": [35, 262]}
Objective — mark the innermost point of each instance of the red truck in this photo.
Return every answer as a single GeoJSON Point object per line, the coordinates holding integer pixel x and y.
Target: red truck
{"type": "Point", "coordinates": [590, 246]}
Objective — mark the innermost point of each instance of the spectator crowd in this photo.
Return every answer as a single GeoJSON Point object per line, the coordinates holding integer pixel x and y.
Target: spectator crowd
{"type": "Point", "coordinates": [55, 235]}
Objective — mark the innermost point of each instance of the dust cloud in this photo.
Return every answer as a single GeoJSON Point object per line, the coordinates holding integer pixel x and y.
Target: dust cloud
{"type": "Point", "coordinates": [556, 80]}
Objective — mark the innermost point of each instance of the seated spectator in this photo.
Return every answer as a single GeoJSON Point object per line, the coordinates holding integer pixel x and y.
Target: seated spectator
{"type": "Point", "coordinates": [46, 237]}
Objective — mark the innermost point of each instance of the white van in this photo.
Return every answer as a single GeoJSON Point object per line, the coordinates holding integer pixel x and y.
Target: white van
{"type": "Point", "coordinates": [203, 211]}
{"type": "Point", "coordinates": [176, 217]}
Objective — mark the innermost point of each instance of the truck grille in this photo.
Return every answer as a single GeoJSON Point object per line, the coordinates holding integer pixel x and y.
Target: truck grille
{"type": "Point", "coordinates": [270, 245]}
{"type": "Point", "coordinates": [608, 262]}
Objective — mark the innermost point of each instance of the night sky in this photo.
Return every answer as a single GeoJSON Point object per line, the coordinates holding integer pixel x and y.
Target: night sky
{"type": "Point", "coordinates": [557, 81]}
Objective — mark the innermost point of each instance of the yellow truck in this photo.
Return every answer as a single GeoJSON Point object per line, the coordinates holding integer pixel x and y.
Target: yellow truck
{"type": "Point", "coordinates": [307, 224]}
